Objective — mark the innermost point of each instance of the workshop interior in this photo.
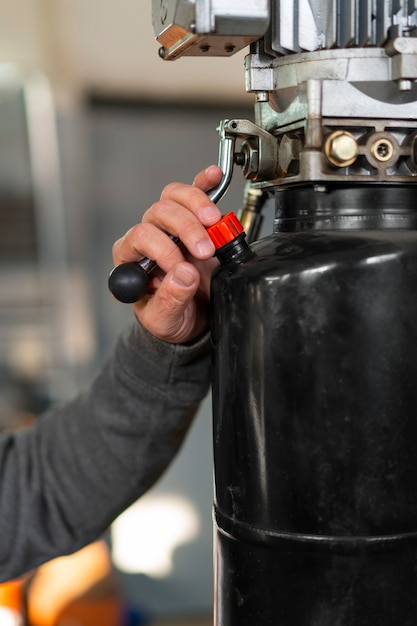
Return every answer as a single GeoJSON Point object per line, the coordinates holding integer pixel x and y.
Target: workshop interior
{"type": "Point", "coordinates": [310, 108]}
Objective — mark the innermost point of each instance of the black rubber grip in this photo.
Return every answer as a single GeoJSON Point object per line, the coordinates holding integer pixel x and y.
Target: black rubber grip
{"type": "Point", "coordinates": [129, 282]}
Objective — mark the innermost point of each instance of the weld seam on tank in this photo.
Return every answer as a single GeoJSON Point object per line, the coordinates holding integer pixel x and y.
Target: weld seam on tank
{"type": "Point", "coordinates": [248, 533]}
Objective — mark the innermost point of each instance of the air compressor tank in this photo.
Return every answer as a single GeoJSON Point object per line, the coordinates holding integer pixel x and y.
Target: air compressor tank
{"type": "Point", "coordinates": [315, 414]}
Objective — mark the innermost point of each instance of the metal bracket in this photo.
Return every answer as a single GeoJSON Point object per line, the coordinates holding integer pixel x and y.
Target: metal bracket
{"type": "Point", "coordinates": [259, 150]}
{"type": "Point", "coordinates": [258, 156]}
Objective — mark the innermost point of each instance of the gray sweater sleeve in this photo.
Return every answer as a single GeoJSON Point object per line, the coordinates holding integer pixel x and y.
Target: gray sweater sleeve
{"type": "Point", "coordinates": [64, 480]}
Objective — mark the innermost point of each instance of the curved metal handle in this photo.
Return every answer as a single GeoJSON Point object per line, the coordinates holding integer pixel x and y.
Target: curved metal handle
{"type": "Point", "coordinates": [225, 162]}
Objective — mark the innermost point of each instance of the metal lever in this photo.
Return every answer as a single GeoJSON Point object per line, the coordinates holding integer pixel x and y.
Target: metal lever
{"type": "Point", "coordinates": [129, 282]}
{"type": "Point", "coordinates": [225, 162]}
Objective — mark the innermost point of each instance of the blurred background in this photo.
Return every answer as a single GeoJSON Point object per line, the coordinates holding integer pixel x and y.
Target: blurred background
{"type": "Point", "coordinates": [92, 125]}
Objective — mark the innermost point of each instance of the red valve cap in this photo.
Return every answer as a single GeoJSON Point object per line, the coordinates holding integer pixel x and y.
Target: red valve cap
{"type": "Point", "coordinates": [225, 230]}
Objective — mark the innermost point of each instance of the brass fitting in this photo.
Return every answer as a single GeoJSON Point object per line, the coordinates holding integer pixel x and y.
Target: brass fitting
{"type": "Point", "coordinates": [341, 148]}
{"type": "Point", "coordinates": [382, 150]}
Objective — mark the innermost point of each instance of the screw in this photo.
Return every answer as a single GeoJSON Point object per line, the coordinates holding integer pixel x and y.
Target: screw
{"type": "Point", "coordinates": [204, 48]}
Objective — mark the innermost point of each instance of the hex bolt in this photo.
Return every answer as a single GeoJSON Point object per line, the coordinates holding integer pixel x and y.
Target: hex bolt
{"type": "Point", "coordinates": [289, 153]}
{"type": "Point", "coordinates": [341, 148]}
{"type": "Point", "coordinates": [250, 165]}
{"type": "Point", "coordinates": [382, 150]}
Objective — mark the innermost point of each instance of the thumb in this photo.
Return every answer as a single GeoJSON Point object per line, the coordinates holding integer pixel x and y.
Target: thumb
{"type": "Point", "coordinates": [167, 315]}
{"type": "Point", "coordinates": [183, 278]}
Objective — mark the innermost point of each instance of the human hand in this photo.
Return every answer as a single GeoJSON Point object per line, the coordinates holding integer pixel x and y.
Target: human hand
{"type": "Point", "coordinates": [176, 307]}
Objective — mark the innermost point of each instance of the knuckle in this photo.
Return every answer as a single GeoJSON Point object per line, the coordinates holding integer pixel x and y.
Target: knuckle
{"type": "Point", "coordinates": [197, 196]}
{"type": "Point", "coordinates": [171, 189]}
{"type": "Point", "coordinates": [164, 209]}
{"type": "Point", "coordinates": [140, 233]}
{"type": "Point", "coordinates": [133, 243]}
{"type": "Point", "coordinates": [146, 214]}
{"type": "Point", "coordinates": [173, 254]}
{"type": "Point", "coordinates": [157, 211]}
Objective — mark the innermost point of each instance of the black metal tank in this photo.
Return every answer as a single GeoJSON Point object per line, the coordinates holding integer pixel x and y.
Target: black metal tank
{"type": "Point", "coordinates": [315, 415]}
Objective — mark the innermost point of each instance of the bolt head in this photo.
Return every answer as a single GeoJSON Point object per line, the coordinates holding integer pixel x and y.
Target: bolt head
{"type": "Point", "coordinates": [341, 148]}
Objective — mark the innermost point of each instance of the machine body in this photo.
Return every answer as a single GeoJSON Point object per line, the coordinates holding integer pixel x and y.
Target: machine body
{"type": "Point", "coordinates": [314, 333]}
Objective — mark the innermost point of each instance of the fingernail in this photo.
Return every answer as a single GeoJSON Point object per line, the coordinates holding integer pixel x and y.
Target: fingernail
{"type": "Point", "coordinates": [183, 277]}
{"type": "Point", "coordinates": [205, 248]}
{"type": "Point", "coordinates": [210, 214]}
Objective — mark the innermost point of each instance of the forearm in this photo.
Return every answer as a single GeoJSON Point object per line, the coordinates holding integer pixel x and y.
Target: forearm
{"type": "Point", "coordinates": [64, 481]}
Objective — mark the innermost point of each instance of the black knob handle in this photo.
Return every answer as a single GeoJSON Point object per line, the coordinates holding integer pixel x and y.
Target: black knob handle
{"type": "Point", "coordinates": [129, 282]}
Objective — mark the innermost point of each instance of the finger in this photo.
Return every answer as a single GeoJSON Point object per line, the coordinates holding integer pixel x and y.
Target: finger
{"type": "Point", "coordinates": [146, 240]}
{"type": "Point", "coordinates": [208, 178]}
{"type": "Point", "coordinates": [184, 209]}
{"type": "Point", "coordinates": [182, 223]}
{"type": "Point", "coordinates": [192, 198]}
{"type": "Point", "coordinates": [167, 314]}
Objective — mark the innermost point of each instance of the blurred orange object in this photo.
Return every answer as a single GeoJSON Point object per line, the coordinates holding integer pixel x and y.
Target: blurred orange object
{"type": "Point", "coordinates": [12, 603]}
{"type": "Point", "coordinates": [75, 590]}
{"type": "Point", "coordinates": [91, 613]}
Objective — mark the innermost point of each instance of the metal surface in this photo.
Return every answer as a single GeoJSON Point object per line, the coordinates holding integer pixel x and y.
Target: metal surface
{"type": "Point", "coordinates": [207, 27]}
{"type": "Point", "coordinates": [317, 96]}
{"type": "Point", "coordinates": [308, 25]}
